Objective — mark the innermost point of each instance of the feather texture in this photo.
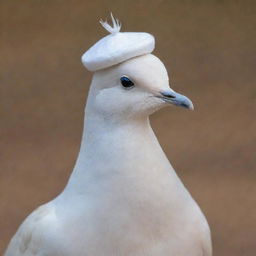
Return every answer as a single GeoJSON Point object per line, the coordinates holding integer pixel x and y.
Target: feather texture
{"type": "Point", "coordinates": [116, 25]}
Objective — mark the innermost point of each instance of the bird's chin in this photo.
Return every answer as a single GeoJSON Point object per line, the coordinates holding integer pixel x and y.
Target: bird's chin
{"type": "Point", "coordinates": [156, 107]}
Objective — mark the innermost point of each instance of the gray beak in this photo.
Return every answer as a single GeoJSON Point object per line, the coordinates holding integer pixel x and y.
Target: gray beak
{"type": "Point", "coordinates": [176, 99]}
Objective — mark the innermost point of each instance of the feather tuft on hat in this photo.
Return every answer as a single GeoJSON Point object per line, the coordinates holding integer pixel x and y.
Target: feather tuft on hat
{"type": "Point", "coordinates": [116, 25]}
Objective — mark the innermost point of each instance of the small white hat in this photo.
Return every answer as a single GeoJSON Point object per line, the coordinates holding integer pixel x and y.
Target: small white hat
{"type": "Point", "coordinates": [117, 47]}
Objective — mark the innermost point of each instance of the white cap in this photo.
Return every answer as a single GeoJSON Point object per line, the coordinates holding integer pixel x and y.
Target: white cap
{"type": "Point", "coordinates": [117, 47]}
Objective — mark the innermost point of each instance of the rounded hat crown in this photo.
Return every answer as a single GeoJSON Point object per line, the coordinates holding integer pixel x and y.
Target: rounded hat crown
{"type": "Point", "coordinates": [117, 47]}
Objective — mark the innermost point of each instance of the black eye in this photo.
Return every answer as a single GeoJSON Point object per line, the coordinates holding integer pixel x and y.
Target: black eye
{"type": "Point", "coordinates": [126, 82]}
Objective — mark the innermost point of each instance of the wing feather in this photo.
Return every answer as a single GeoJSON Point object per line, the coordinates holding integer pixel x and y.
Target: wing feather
{"type": "Point", "coordinates": [28, 239]}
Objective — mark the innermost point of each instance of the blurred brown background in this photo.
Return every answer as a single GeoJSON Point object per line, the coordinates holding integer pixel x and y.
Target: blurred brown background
{"type": "Point", "coordinates": [209, 48]}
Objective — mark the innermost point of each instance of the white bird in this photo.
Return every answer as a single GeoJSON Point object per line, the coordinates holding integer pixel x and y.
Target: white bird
{"type": "Point", "coordinates": [123, 197]}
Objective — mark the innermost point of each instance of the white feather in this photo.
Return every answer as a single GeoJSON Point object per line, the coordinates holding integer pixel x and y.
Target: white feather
{"type": "Point", "coordinates": [116, 25]}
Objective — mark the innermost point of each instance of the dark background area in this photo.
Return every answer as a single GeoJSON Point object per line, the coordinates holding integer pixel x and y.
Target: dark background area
{"type": "Point", "coordinates": [209, 48]}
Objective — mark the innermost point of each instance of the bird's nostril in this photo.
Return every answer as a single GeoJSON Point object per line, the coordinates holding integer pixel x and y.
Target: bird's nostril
{"type": "Point", "coordinates": [168, 95]}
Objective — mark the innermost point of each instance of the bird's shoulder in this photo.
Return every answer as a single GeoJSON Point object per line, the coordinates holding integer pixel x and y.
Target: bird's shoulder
{"type": "Point", "coordinates": [30, 234]}
{"type": "Point", "coordinates": [206, 240]}
{"type": "Point", "coordinates": [204, 233]}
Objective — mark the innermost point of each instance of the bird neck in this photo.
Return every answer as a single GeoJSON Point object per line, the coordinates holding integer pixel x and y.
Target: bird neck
{"type": "Point", "coordinates": [114, 147]}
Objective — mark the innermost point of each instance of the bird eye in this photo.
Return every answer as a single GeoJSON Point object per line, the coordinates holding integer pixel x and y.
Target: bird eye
{"type": "Point", "coordinates": [126, 82]}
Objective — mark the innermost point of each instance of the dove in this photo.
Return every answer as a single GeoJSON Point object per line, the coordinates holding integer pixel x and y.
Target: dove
{"type": "Point", "coordinates": [123, 197]}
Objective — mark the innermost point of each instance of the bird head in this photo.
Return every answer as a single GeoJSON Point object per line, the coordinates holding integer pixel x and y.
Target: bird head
{"type": "Point", "coordinates": [128, 80]}
{"type": "Point", "coordinates": [136, 87]}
